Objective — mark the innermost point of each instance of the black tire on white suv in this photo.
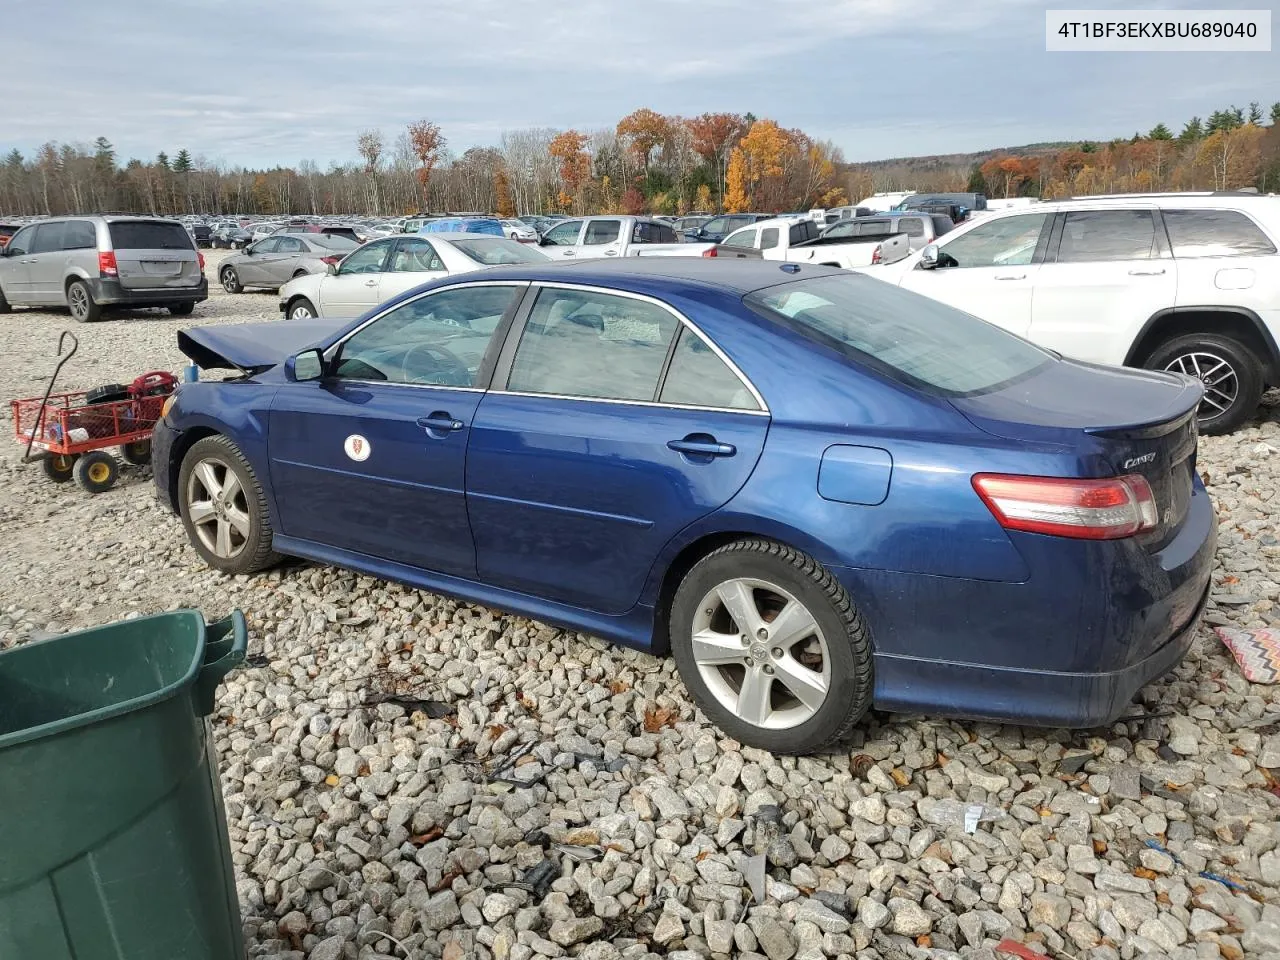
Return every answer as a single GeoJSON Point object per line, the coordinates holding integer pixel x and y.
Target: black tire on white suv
{"type": "Point", "coordinates": [1231, 374]}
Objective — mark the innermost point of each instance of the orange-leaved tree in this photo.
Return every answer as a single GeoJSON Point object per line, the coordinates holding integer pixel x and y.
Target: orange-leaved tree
{"type": "Point", "coordinates": [427, 142]}
{"type": "Point", "coordinates": [645, 130]}
{"type": "Point", "coordinates": [714, 137]}
{"type": "Point", "coordinates": [736, 199]}
{"type": "Point", "coordinates": [502, 194]}
{"type": "Point", "coordinates": [569, 151]}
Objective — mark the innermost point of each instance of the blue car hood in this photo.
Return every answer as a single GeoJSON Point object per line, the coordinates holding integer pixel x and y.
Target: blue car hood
{"type": "Point", "coordinates": [253, 346]}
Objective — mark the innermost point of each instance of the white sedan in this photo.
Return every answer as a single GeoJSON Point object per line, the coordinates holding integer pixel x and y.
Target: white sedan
{"type": "Point", "coordinates": [386, 268]}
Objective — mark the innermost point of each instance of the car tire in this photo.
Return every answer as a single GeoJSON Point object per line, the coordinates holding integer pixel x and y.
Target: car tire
{"type": "Point", "coordinates": [137, 453]}
{"type": "Point", "coordinates": [97, 471]}
{"type": "Point", "coordinates": [80, 303]}
{"type": "Point", "coordinates": [1231, 374]}
{"type": "Point", "coordinates": [212, 469]}
{"type": "Point", "coordinates": [230, 280]}
{"type": "Point", "coordinates": [4, 304]}
{"type": "Point", "coordinates": [813, 685]}
{"type": "Point", "coordinates": [59, 467]}
{"type": "Point", "coordinates": [184, 309]}
{"type": "Point", "coordinates": [301, 309]}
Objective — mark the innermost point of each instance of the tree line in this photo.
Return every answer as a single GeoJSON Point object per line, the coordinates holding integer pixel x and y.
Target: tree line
{"type": "Point", "coordinates": [647, 163]}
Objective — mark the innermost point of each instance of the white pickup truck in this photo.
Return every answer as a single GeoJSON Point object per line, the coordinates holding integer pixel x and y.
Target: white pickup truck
{"type": "Point", "coordinates": [591, 237]}
{"type": "Point", "coordinates": [798, 240]}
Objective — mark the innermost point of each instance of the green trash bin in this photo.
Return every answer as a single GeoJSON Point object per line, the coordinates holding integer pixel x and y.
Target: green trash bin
{"type": "Point", "coordinates": [113, 839]}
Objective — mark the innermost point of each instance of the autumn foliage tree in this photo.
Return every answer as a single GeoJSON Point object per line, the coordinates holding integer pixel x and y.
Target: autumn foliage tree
{"type": "Point", "coordinates": [427, 142]}
{"type": "Point", "coordinates": [645, 130]}
{"type": "Point", "coordinates": [569, 151]}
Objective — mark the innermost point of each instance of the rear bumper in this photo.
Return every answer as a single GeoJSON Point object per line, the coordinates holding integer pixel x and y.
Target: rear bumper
{"type": "Point", "coordinates": [109, 292]}
{"type": "Point", "coordinates": [1069, 646]}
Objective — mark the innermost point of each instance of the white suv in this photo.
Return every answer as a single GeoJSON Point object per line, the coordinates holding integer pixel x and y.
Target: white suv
{"type": "Point", "coordinates": [1186, 282]}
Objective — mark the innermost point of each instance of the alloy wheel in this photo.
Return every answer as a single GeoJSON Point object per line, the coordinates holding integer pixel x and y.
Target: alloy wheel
{"type": "Point", "coordinates": [218, 508]}
{"type": "Point", "coordinates": [229, 280]}
{"type": "Point", "coordinates": [1221, 383]}
{"type": "Point", "coordinates": [300, 312]}
{"type": "Point", "coordinates": [761, 653]}
{"type": "Point", "coordinates": [78, 301]}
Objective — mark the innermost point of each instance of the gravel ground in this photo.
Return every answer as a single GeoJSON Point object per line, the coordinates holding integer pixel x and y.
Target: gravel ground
{"type": "Point", "coordinates": [368, 825]}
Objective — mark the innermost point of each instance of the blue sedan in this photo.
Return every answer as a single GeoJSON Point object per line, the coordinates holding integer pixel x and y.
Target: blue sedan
{"type": "Point", "coordinates": [818, 492]}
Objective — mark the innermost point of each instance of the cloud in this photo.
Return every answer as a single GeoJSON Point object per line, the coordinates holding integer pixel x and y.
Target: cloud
{"type": "Point", "coordinates": [256, 82]}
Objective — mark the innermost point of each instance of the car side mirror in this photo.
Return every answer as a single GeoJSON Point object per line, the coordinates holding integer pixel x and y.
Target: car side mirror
{"type": "Point", "coordinates": [308, 365]}
{"type": "Point", "coordinates": [332, 270]}
{"type": "Point", "coordinates": [929, 257]}
{"type": "Point", "coordinates": [544, 241]}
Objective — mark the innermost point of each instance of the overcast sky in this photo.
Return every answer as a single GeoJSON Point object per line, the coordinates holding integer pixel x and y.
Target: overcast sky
{"type": "Point", "coordinates": [265, 82]}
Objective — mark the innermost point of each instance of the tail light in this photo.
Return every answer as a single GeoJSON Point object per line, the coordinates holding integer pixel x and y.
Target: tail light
{"type": "Point", "coordinates": [200, 260]}
{"type": "Point", "coordinates": [710, 252]}
{"type": "Point", "coordinates": [107, 264]}
{"type": "Point", "coordinates": [330, 259]}
{"type": "Point", "coordinates": [1107, 509]}
{"type": "Point", "coordinates": [875, 254]}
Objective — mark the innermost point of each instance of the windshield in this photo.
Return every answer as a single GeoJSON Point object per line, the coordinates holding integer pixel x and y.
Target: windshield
{"type": "Point", "coordinates": [906, 336]}
{"type": "Point", "coordinates": [497, 251]}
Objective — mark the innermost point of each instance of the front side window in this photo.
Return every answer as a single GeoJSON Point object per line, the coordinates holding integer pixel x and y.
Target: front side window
{"type": "Point", "coordinates": [367, 259]}
{"type": "Point", "coordinates": [741, 238]}
{"type": "Point", "coordinates": [580, 343]}
{"type": "Point", "coordinates": [699, 378]}
{"type": "Point", "coordinates": [415, 256]}
{"type": "Point", "coordinates": [601, 231]}
{"type": "Point", "coordinates": [565, 235]}
{"type": "Point", "coordinates": [436, 340]}
{"type": "Point", "coordinates": [290, 245]}
{"type": "Point", "coordinates": [1092, 236]}
{"type": "Point", "coordinates": [1009, 241]}
{"type": "Point", "coordinates": [913, 339]}
{"type": "Point", "coordinates": [270, 245]}
{"type": "Point", "coordinates": [22, 241]}
{"type": "Point", "coordinates": [1215, 233]}
{"type": "Point", "coordinates": [79, 235]}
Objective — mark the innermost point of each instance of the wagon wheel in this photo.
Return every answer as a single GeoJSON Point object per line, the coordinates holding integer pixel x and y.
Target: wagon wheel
{"type": "Point", "coordinates": [137, 453]}
{"type": "Point", "coordinates": [59, 467]}
{"type": "Point", "coordinates": [97, 471]}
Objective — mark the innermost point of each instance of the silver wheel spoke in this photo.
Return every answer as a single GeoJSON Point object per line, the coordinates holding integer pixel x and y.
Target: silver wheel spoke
{"type": "Point", "coordinates": [716, 649]}
{"type": "Point", "coordinates": [231, 488]}
{"type": "Point", "coordinates": [740, 601]}
{"type": "Point", "coordinates": [209, 478]}
{"type": "Point", "coordinates": [806, 685]}
{"type": "Point", "coordinates": [753, 699]}
{"type": "Point", "coordinates": [1214, 403]}
{"type": "Point", "coordinates": [1214, 369]}
{"type": "Point", "coordinates": [200, 511]}
{"type": "Point", "coordinates": [793, 624]}
{"type": "Point", "coordinates": [223, 547]}
{"type": "Point", "coordinates": [239, 522]}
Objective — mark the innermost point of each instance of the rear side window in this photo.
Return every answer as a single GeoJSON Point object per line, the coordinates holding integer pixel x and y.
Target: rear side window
{"type": "Point", "coordinates": [913, 339]}
{"type": "Point", "coordinates": [145, 235]}
{"type": "Point", "coordinates": [768, 238]}
{"type": "Point", "coordinates": [911, 226]}
{"type": "Point", "coordinates": [941, 225]}
{"type": "Point", "coordinates": [1215, 233]}
{"type": "Point", "coordinates": [802, 232]}
{"type": "Point", "coordinates": [699, 378]}
{"type": "Point", "coordinates": [1092, 236]}
{"type": "Point", "coordinates": [49, 237]}
{"type": "Point", "coordinates": [601, 231]}
{"type": "Point", "coordinates": [79, 235]}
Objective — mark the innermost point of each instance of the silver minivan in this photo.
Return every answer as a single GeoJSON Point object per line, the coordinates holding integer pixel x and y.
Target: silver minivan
{"type": "Point", "coordinates": [89, 264]}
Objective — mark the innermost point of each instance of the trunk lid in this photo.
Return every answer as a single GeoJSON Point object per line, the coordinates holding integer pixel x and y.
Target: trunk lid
{"type": "Point", "coordinates": [1122, 421]}
{"type": "Point", "coordinates": [154, 254]}
{"type": "Point", "coordinates": [253, 347]}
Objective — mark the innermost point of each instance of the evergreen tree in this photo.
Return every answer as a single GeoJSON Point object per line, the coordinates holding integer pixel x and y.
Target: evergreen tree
{"type": "Point", "coordinates": [977, 182]}
{"type": "Point", "coordinates": [1255, 113]}
{"type": "Point", "coordinates": [162, 160]}
{"type": "Point", "coordinates": [182, 162]}
{"type": "Point", "coordinates": [1160, 132]}
{"type": "Point", "coordinates": [1088, 146]}
{"type": "Point", "coordinates": [14, 159]}
{"type": "Point", "coordinates": [1193, 131]}
{"type": "Point", "coordinates": [1275, 114]}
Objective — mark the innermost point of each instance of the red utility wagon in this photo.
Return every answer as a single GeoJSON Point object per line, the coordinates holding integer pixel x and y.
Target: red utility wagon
{"type": "Point", "coordinates": [72, 431]}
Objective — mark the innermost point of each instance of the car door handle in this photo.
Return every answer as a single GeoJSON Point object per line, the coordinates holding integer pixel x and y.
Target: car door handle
{"type": "Point", "coordinates": [440, 421]}
{"type": "Point", "coordinates": [611, 253]}
{"type": "Point", "coordinates": [570, 253]}
{"type": "Point", "coordinates": [708, 447]}
{"type": "Point", "coordinates": [1010, 276]}
{"type": "Point", "coordinates": [371, 283]}
{"type": "Point", "coordinates": [1146, 271]}
{"type": "Point", "coordinates": [27, 261]}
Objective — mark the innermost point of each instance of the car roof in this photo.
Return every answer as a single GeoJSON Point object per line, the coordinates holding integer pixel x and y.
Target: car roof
{"type": "Point", "coordinates": [677, 275]}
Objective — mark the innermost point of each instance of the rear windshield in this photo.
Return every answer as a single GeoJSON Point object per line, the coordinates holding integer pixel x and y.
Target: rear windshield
{"type": "Point", "coordinates": [332, 241]}
{"type": "Point", "coordinates": [7, 230]}
{"type": "Point", "coordinates": [143, 235]}
{"type": "Point", "coordinates": [911, 338]}
{"type": "Point", "coordinates": [494, 252]}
